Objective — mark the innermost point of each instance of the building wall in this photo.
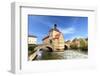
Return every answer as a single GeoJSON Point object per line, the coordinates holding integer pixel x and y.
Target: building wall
{"type": "Point", "coordinates": [32, 40]}
{"type": "Point", "coordinates": [46, 41]}
{"type": "Point", "coordinates": [56, 41]}
{"type": "Point", "coordinates": [61, 41]}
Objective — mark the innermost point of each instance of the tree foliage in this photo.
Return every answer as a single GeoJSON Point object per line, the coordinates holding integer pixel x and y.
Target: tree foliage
{"type": "Point", "coordinates": [81, 44]}
{"type": "Point", "coordinates": [31, 48]}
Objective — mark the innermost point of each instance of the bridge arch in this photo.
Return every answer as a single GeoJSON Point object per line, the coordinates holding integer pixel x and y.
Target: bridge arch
{"type": "Point", "coordinates": [65, 47]}
{"type": "Point", "coordinates": [49, 49]}
{"type": "Point", "coordinates": [44, 47]}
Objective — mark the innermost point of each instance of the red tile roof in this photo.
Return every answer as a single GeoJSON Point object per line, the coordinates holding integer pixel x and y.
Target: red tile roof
{"type": "Point", "coordinates": [45, 37]}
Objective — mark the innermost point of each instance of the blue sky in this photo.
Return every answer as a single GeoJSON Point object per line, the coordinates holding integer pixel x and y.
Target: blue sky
{"type": "Point", "coordinates": [71, 26]}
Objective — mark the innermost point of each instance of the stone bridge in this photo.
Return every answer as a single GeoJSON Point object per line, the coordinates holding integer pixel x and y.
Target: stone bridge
{"type": "Point", "coordinates": [67, 46]}
{"type": "Point", "coordinates": [45, 47]}
{"type": "Point", "coordinates": [48, 47]}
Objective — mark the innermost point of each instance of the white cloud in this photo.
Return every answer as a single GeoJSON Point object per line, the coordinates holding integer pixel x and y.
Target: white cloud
{"type": "Point", "coordinates": [69, 30]}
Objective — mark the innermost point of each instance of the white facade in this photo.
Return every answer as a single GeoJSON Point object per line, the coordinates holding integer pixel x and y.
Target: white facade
{"type": "Point", "coordinates": [32, 40]}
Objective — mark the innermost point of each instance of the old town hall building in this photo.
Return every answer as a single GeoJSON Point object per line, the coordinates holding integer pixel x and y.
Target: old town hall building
{"type": "Point", "coordinates": [55, 38]}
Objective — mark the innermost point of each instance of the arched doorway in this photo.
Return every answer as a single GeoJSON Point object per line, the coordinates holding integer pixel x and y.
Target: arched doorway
{"type": "Point", "coordinates": [65, 47]}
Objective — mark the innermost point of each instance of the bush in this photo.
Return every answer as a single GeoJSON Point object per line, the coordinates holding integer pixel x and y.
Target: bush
{"type": "Point", "coordinates": [73, 46]}
{"type": "Point", "coordinates": [31, 48]}
{"type": "Point", "coordinates": [83, 45]}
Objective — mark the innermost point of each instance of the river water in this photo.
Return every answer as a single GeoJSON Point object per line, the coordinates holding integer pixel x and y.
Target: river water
{"type": "Point", "coordinates": [68, 54]}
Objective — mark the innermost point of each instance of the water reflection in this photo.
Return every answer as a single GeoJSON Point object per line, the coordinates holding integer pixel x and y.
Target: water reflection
{"type": "Point", "coordinates": [39, 54]}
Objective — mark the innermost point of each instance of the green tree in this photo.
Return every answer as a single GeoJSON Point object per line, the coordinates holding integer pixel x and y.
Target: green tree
{"type": "Point", "coordinates": [74, 44]}
{"type": "Point", "coordinates": [83, 44]}
{"type": "Point", "coordinates": [31, 48]}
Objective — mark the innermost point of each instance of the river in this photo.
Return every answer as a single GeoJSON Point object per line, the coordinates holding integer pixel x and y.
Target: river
{"type": "Point", "coordinates": [68, 54]}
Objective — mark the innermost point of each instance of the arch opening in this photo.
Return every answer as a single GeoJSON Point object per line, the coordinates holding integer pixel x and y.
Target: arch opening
{"type": "Point", "coordinates": [65, 47]}
{"type": "Point", "coordinates": [49, 49]}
